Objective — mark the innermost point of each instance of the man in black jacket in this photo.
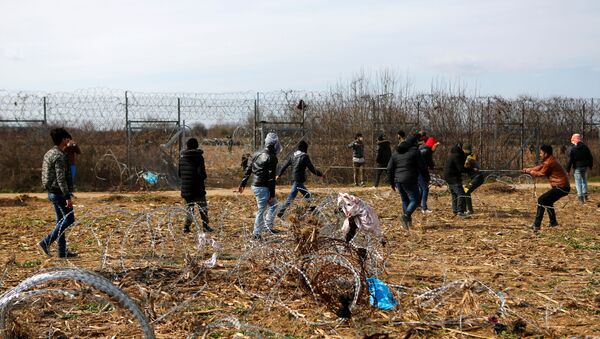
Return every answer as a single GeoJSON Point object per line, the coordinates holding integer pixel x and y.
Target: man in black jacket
{"type": "Point", "coordinates": [404, 169]}
{"type": "Point", "coordinates": [193, 173]}
{"type": "Point", "coordinates": [580, 159]}
{"type": "Point", "coordinates": [453, 170]}
{"type": "Point", "coordinates": [263, 164]}
{"type": "Point", "coordinates": [299, 161]}
{"type": "Point", "coordinates": [384, 153]}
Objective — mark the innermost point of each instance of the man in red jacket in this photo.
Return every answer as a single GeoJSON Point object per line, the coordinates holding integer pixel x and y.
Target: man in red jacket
{"type": "Point", "coordinates": [558, 179]}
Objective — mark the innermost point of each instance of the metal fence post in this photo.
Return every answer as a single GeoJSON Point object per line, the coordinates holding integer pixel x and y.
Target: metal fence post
{"type": "Point", "coordinates": [45, 103]}
{"type": "Point", "coordinates": [127, 129]}
{"type": "Point", "coordinates": [522, 134]}
{"type": "Point", "coordinates": [182, 128]}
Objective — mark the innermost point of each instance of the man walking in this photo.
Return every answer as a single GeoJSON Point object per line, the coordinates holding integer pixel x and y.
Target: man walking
{"type": "Point", "coordinates": [57, 180]}
{"type": "Point", "coordinates": [558, 179]}
{"type": "Point", "coordinates": [193, 174]}
{"type": "Point", "coordinates": [404, 169]}
{"type": "Point", "coordinates": [299, 161]}
{"type": "Point", "coordinates": [263, 165]}
{"type": "Point", "coordinates": [580, 159]}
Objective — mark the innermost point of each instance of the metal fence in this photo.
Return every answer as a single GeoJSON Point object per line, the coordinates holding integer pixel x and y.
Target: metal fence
{"type": "Point", "coordinates": [126, 134]}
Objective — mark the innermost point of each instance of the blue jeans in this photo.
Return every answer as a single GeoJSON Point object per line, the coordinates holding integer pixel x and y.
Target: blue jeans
{"type": "Point", "coordinates": [423, 192]}
{"type": "Point", "coordinates": [410, 197]}
{"type": "Point", "coordinates": [297, 187]}
{"type": "Point", "coordinates": [580, 175]}
{"type": "Point", "coordinates": [266, 212]}
{"type": "Point", "coordinates": [73, 172]}
{"type": "Point", "coordinates": [64, 218]}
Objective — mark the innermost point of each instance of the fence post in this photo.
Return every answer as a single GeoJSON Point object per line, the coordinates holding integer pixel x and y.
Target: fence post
{"type": "Point", "coordinates": [522, 134]}
{"type": "Point", "coordinates": [182, 128]}
{"type": "Point", "coordinates": [127, 128]}
{"type": "Point", "coordinates": [583, 120]}
{"type": "Point", "coordinates": [45, 103]}
{"type": "Point", "coordinates": [256, 117]}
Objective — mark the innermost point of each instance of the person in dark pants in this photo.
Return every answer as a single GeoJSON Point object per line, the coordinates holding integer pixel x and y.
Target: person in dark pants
{"type": "Point", "coordinates": [580, 159]}
{"type": "Point", "coordinates": [57, 180]}
{"type": "Point", "coordinates": [404, 169]}
{"type": "Point", "coordinates": [299, 161]}
{"type": "Point", "coordinates": [477, 177]}
{"type": "Point", "coordinates": [72, 151]}
{"type": "Point", "coordinates": [358, 158]}
{"type": "Point", "coordinates": [384, 153]}
{"type": "Point", "coordinates": [453, 170]}
{"type": "Point", "coordinates": [427, 156]}
{"type": "Point", "coordinates": [263, 165]}
{"type": "Point", "coordinates": [558, 179]}
{"type": "Point", "coordinates": [193, 174]}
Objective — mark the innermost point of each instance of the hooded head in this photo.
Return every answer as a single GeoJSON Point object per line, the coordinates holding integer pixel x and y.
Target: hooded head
{"type": "Point", "coordinates": [302, 146]}
{"type": "Point", "coordinates": [272, 140]}
{"type": "Point", "coordinates": [192, 143]}
{"type": "Point", "coordinates": [403, 147]}
{"type": "Point", "coordinates": [576, 138]}
{"type": "Point", "coordinates": [412, 140]}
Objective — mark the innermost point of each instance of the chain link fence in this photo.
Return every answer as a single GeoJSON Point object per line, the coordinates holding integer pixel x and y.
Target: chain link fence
{"type": "Point", "coordinates": [125, 134]}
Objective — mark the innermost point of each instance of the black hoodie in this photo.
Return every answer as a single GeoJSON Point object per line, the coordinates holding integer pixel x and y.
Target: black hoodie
{"type": "Point", "coordinates": [580, 156]}
{"type": "Point", "coordinates": [455, 165]}
{"type": "Point", "coordinates": [192, 173]}
{"type": "Point", "coordinates": [405, 165]}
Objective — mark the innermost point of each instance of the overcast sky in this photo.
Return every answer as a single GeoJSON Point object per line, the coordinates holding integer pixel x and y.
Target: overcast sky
{"type": "Point", "coordinates": [505, 47]}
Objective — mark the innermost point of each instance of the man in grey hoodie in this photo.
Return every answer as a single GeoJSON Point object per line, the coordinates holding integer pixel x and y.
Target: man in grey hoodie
{"type": "Point", "coordinates": [57, 180]}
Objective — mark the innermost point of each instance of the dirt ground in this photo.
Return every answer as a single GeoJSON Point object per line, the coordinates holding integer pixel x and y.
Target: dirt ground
{"type": "Point", "coordinates": [449, 275]}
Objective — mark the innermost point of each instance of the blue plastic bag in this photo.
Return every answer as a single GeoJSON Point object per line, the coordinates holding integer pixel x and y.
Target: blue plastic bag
{"type": "Point", "coordinates": [380, 294]}
{"type": "Point", "coordinates": [150, 177]}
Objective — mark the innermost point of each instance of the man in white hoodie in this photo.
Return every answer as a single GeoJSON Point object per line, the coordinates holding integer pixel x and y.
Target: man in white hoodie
{"type": "Point", "coordinates": [299, 161]}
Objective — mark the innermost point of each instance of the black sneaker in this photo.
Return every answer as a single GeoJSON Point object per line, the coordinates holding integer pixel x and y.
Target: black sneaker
{"type": "Point", "coordinates": [462, 215]}
{"type": "Point", "coordinates": [553, 224]}
{"type": "Point", "coordinates": [69, 254]}
{"type": "Point", "coordinates": [44, 248]}
{"type": "Point", "coordinates": [405, 221]}
{"type": "Point", "coordinates": [186, 229]}
{"type": "Point", "coordinates": [208, 228]}
{"type": "Point", "coordinates": [275, 231]}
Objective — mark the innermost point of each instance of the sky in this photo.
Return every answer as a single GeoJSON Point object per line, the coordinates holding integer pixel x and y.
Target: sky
{"type": "Point", "coordinates": [509, 47]}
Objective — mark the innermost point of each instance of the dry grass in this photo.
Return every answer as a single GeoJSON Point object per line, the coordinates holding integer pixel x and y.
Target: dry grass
{"type": "Point", "coordinates": [551, 281]}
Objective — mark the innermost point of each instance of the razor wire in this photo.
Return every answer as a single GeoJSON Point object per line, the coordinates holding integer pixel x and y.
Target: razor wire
{"type": "Point", "coordinates": [79, 275]}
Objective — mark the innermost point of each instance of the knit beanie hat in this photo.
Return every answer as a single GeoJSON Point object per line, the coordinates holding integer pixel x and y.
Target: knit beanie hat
{"type": "Point", "coordinates": [576, 138]}
{"type": "Point", "coordinates": [467, 148]}
{"type": "Point", "coordinates": [273, 140]}
{"type": "Point", "coordinates": [303, 146]}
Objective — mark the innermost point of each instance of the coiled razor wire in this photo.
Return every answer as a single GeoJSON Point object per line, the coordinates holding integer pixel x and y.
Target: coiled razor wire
{"type": "Point", "coordinates": [82, 276]}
